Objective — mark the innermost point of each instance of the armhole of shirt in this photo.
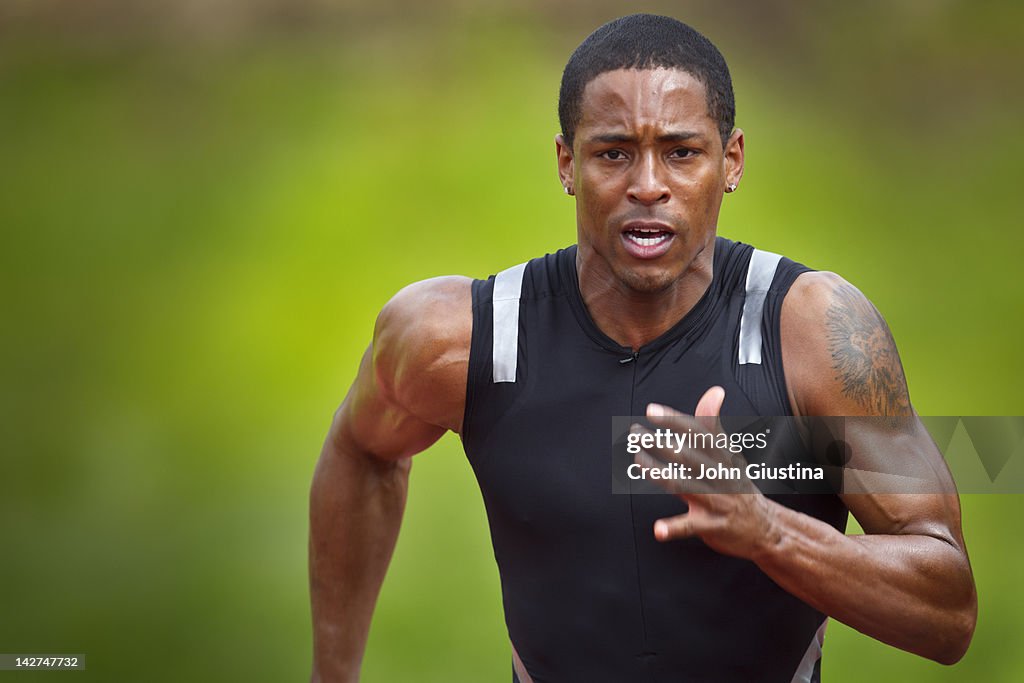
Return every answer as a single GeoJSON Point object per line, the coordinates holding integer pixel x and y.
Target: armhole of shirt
{"type": "Point", "coordinates": [789, 272]}
{"type": "Point", "coordinates": [494, 351]}
{"type": "Point", "coordinates": [479, 349]}
{"type": "Point", "coordinates": [758, 359]}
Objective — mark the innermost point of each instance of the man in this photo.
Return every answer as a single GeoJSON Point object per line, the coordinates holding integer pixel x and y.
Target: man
{"type": "Point", "coordinates": [649, 310]}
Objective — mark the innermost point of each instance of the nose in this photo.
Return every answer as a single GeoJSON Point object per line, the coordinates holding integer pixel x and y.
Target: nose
{"type": "Point", "coordinates": [647, 185]}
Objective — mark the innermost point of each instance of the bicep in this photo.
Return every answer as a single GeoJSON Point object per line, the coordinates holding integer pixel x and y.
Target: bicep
{"type": "Point", "coordinates": [411, 383]}
{"type": "Point", "coordinates": [839, 355]}
{"type": "Point", "coordinates": [895, 480]}
{"type": "Point", "coordinates": [373, 422]}
{"type": "Point", "coordinates": [841, 360]}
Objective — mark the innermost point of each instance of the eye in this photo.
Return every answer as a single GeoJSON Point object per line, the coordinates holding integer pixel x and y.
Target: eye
{"type": "Point", "coordinates": [682, 153]}
{"type": "Point", "coordinates": [613, 155]}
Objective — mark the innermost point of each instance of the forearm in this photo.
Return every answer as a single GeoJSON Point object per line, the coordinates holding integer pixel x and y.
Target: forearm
{"type": "Point", "coordinates": [356, 505]}
{"type": "Point", "coordinates": [914, 592]}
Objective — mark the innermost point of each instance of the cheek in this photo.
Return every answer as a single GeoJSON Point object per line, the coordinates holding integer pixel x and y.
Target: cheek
{"type": "Point", "coordinates": [699, 192]}
{"type": "Point", "coordinates": [596, 196]}
{"type": "Point", "coordinates": [603, 174]}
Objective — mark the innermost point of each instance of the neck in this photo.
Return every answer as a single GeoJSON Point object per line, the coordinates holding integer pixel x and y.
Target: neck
{"type": "Point", "coordinates": [634, 318]}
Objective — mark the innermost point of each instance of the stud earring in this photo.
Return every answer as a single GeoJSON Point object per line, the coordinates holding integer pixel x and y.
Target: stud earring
{"type": "Point", "coordinates": [731, 188]}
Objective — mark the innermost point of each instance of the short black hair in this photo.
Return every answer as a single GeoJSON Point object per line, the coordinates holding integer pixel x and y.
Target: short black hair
{"type": "Point", "coordinates": [646, 41]}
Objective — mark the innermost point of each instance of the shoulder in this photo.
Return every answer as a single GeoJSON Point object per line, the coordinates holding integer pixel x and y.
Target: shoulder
{"type": "Point", "coordinates": [421, 344]}
{"type": "Point", "coordinates": [839, 356]}
{"type": "Point", "coordinates": [430, 308]}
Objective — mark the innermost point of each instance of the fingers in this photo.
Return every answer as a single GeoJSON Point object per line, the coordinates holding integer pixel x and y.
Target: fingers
{"type": "Point", "coordinates": [674, 528]}
{"type": "Point", "coordinates": [682, 485]}
{"type": "Point", "coordinates": [694, 447]}
{"type": "Point", "coordinates": [706, 416]}
{"type": "Point", "coordinates": [657, 453]}
{"type": "Point", "coordinates": [710, 404]}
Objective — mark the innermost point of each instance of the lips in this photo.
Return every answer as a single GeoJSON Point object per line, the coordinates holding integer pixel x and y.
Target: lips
{"type": "Point", "coordinates": [645, 240]}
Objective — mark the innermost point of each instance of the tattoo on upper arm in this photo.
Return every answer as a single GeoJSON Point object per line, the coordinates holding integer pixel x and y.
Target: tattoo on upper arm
{"type": "Point", "coordinates": [864, 354]}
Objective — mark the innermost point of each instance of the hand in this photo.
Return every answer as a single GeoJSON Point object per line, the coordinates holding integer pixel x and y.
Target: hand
{"type": "Point", "coordinates": [737, 523]}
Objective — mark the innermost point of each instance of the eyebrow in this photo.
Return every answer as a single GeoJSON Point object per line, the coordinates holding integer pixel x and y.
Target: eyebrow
{"type": "Point", "coordinates": [614, 138]}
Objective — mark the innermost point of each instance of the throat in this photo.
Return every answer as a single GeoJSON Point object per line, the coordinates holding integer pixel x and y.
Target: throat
{"type": "Point", "coordinates": [634, 319]}
{"type": "Point", "coordinates": [631, 315]}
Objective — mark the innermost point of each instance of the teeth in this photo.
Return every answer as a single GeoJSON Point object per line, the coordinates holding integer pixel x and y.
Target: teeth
{"type": "Point", "coordinates": [647, 241]}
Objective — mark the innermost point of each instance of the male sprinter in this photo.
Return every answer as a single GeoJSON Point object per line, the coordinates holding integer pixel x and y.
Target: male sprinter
{"type": "Point", "coordinates": [648, 310]}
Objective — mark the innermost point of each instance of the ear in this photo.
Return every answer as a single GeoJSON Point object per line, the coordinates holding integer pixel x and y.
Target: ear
{"type": "Point", "coordinates": [565, 165]}
{"type": "Point", "coordinates": [733, 158]}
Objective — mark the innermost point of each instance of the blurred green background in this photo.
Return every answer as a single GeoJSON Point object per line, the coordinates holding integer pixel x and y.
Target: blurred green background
{"type": "Point", "coordinates": [204, 205]}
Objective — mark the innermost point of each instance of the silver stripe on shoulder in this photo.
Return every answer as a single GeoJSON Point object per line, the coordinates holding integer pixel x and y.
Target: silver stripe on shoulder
{"type": "Point", "coordinates": [805, 671]}
{"type": "Point", "coordinates": [508, 286]}
{"type": "Point", "coordinates": [760, 273]}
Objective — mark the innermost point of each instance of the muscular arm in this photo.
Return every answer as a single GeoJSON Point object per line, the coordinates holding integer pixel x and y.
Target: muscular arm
{"type": "Point", "coordinates": [409, 390]}
{"type": "Point", "coordinates": [906, 581]}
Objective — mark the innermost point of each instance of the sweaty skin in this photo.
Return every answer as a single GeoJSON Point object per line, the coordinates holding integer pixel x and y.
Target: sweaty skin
{"type": "Point", "coordinates": [646, 152]}
{"type": "Point", "coordinates": [647, 155]}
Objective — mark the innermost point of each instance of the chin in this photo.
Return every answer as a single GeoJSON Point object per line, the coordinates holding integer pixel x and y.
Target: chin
{"type": "Point", "coordinates": [647, 282]}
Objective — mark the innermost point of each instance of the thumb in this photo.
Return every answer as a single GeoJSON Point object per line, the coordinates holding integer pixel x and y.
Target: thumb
{"type": "Point", "coordinates": [680, 526]}
{"type": "Point", "coordinates": [710, 404]}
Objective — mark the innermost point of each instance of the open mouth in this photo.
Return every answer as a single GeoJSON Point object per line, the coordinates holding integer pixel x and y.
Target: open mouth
{"type": "Point", "coordinates": [647, 237]}
{"type": "Point", "coordinates": [647, 240]}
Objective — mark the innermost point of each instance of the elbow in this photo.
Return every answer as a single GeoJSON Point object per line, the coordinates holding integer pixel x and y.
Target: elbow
{"type": "Point", "coordinates": [958, 618]}
{"type": "Point", "coordinates": [956, 636]}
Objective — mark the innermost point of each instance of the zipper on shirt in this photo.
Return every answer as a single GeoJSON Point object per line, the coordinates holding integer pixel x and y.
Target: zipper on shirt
{"type": "Point", "coordinates": [632, 511]}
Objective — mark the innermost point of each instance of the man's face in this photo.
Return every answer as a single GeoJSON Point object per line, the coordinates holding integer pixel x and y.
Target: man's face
{"type": "Point", "coordinates": [648, 170]}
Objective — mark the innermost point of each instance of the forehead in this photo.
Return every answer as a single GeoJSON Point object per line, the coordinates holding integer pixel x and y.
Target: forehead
{"type": "Point", "coordinates": [634, 99]}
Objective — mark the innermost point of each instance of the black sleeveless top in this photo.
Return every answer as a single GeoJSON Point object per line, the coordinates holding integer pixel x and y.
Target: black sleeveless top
{"type": "Point", "coordinates": [589, 594]}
